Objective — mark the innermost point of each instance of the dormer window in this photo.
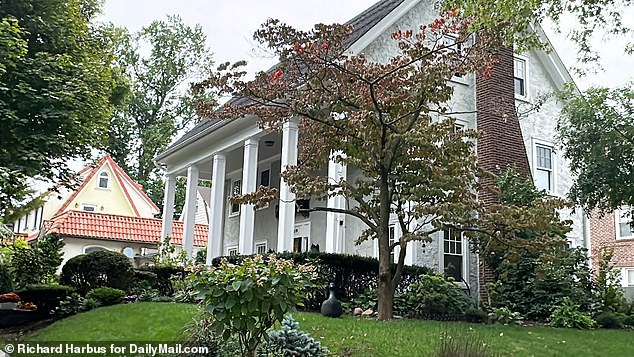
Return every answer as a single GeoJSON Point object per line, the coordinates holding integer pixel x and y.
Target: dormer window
{"type": "Point", "coordinates": [104, 180]}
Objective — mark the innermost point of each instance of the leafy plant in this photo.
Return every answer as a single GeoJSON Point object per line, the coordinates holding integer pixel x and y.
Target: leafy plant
{"type": "Point", "coordinates": [103, 268]}
{"type": "Point", "coordinates": [6, 280]}
{"type": "Point", "coordinates": [201, 333]}
{"type": "Point", "coordinates": [248, 299]}
{"type": "Point", "coordinates": [73, 304]}
{"type": "Point", "coordinates": [433, 295]}
{"type": "Point", "coordinates": [474, 314]}
{"type": "Point", "coordinates": [568, 315]}
{"type": "Point", "coordinates": [106, 296]}
{"type": "Point", "coordinates": [607, 284]}
{"type": "Point", "coordinates": [168, 256]}
{"type": "Point", "coordinates": [46, 297]}
{"type": "Point", "coordinates": [290, 341]}
{"type": "Point", "coordinates": [609, 320]}
{"type": "Point", "coordinates": [37, 264]}
{"type": "Point", "coordinates": [505, 316]}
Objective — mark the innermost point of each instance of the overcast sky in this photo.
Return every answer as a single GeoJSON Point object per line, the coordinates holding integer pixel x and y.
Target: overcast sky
{"type": "Point", "coordinates": [229, 26]}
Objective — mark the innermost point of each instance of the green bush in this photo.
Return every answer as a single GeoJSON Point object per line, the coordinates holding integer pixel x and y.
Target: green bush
{"type": "Point", "coordinates": [629, 321]}
{"type": "Point", "coordinates": [73, 304]}
{"type": "Point", "coordinates": [6, 280]}
{"type": "Point", "coordinates": [609, 320]}
{"type": "Point", "coordinates": [247, 299]}
{"type": "Point", "coordinates": [432, 295]}
{"type": "Point", "coordinates": [164, 276]}
{"type": "Point", "coordinates": [46, 297]}
{"type": "Point", "coordinates": [37, 264]}
{"type": "Point", "coordinates": [568, 315]}
{"type": "Point", "coordinates": [200, 333]}
{"type": "Point", "coordinates": [474, 314]}
{"type": "Point", "coordinates": [505, 316]}
{"type": "Point", "coordinates": [98, 269]}
{"type": "Point", "coordinates": [106, 296]}
{"type": "Point", "coordinates": [290, 341]}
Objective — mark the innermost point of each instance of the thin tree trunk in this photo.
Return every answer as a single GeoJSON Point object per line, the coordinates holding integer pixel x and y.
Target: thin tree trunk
{"type": "Point", "coordinates": [386, 289]}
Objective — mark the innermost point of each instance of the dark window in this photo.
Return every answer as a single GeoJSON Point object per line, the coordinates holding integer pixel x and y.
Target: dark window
{"type": "Point", "coordinates": [453, 254]}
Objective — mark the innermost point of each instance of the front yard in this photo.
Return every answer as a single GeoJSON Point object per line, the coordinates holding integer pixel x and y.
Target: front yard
{"type": "Point", "coordinates": [348, 336]}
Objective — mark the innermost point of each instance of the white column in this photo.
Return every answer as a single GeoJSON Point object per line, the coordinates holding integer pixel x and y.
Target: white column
{"type": "Point", "coordinates": [189, 214]}
{"type": "Point", "coordinates": [249, 181]}
{"type": "Point", "coordinates": [216, 211]}
{"type": "Point", "coordinates": [168, 206]}
{"type": "Point", "coordinates": [286, 223]}
{"type": "Point", "coordinates": [335, 222]}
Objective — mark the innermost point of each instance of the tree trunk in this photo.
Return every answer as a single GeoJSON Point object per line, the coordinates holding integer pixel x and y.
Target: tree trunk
{"type": "Point", "coordinates": [386, 290]}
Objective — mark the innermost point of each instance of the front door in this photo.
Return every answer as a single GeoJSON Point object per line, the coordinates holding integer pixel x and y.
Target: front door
{"type": "Point", "coordinates": [301, 237]}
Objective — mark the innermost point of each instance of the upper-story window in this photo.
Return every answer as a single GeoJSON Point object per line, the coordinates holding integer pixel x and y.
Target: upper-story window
{"type": "Point", "coordinates": [88, 207]}
{"type": "Point", "coordinates": [623, 218]}
{"type": "Point", "coordinates": [519, 76]}
{"type": "Point", "coordinates": [544, 168]}
{"type": "Point", "coordinates": [104, 180]}
{"type": "Point", "coordinates": [236, 190]}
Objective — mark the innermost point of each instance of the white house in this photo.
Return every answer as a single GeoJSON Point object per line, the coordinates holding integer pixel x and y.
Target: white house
{"type": "Point", "coordinates": [237, 156]}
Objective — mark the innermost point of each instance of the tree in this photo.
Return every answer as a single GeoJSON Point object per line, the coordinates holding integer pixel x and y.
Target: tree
{"type": "Point", "coordinates": [597, 132]}
{"type": "Point", "coordinates": [160, 103]}
{"type": "Point", "coordinates": [57, 90]}
{"type": "Point", "coordinates": [388, 121]}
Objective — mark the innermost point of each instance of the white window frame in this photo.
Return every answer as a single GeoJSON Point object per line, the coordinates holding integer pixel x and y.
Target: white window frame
{"type": "Point", "coordinates": [452, 39]}
{"type": "Point", "coordinates": [85, 248]}
{"type": "Point", "coordinates": [84, 205]}
{"type": "Point", "coordinates": [232, 248]}
{"type": "Point", "coordinates": [526, 77]}
{"type": "Point", "coordinates": [231, 194]}
{"type": "Point", "coordinates": [307, 239]}
{"type": "Point", "coordinates": [625, 272]}
{"type": "Point", "coordinates": [618, 219]}
{"type": "Point", "coordinates": [554, 163]}
{"type": "Point", "coordinates": [107, 180]}
{"type": "Point", "coordinates": [261, 243]}
{"type": "Point", "coordinates": [465, 255]}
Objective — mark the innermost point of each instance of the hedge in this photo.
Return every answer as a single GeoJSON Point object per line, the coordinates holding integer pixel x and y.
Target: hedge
{"type": "Point", "coordinates": [103, 268]}
{"type": "Point", "coordinates": [163, 275]}
{"type": "Point", "coordinates": [46, 297]}
{"type": "Point", "coordinates": [352, 274]}
{"type": "Point", "coordinates": [6, 280]}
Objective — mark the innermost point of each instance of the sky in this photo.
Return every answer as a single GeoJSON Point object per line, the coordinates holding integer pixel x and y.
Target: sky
{"type": "Point", "coordinates": [229, 26]}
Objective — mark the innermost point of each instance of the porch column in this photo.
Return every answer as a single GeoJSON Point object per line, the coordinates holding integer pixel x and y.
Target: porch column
{"type": "Point", "coordinates": [168, 206]}
{"type": "Point", "coordinates": [216, 211]}
{"type": "Point", "coordinates": [249, 180]}
{"type": "Point", "coordinates": [335, 222]}
{"type": "Point", "coordinates": [189, 214]}
{"type": "Point", "coordinates": [286, 223]}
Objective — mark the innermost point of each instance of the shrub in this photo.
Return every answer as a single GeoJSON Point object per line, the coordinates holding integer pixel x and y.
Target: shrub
{"type": "Point", "coordinates": [568, 315]}
{"type": "Point", "coordinates": [37, 264]}
{"type": "Point", "coordinates": [164, 275]}
{"type": "Point", "coordinates": [184, 290]}
{"type": "Point", "coordinates": [200, 333]}
{"type": "Point", "coordinates": [609, 320]}
{"type": "Point", "coordinates": [352, 274]}
{"type": "Point", "coordinates": [10, 297]}
{"type": "Point", "coordinates": [290, 341]}
{"type": "Point", "coordinates": [6, 280]}
{"type": "Point", "coordinates": [106, 296]}
{"type": "Point", "coordinates": [433, 295]}
{"type": "Point", "coordinates": [145, 278]}
{"type": "Point", "coordinates": [46, 297]}
{"type": "Point", "coordinates": [247, 299]}
{"type": "Point", "coordinates": [629, 321]}
{"type": "Point", "coordinates": [505, 316]}
{"type": "Point", "coordinates": [98, 269]}
{"type": "Point", "coordinates": [474, 314]}
{"type": "Point", "coordinates": [607, 284]}
{"type": "Point", "coordinates": [73, 304]}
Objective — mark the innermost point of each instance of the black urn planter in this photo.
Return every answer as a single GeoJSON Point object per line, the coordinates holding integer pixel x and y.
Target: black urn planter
{"type": "Point", "coordinates": [331, 307]}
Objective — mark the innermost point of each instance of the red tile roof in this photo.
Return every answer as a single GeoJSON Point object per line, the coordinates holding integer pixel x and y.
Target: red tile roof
{"type": "Point", "coordinates": [82, 224]}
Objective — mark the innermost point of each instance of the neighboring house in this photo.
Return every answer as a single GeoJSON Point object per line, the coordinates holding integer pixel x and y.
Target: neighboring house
{"type": "Point", "coordinates": [108, 210]}
{"type": "Point", "coordinates": [237, 156]}
{"type": "Point", "coordinates": [614, 230]}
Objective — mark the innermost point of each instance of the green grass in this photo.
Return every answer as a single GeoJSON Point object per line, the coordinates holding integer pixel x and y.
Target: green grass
{"type": "Point", "coordinates": [346, 336]}
{"type": "Point", "coordinates": [130, 322]}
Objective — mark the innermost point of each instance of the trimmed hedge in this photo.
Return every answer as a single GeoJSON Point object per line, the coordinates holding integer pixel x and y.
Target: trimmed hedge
{"type": "Point", "coordinates": [352, 274]}
{"type": "Point", "coordinates": [6, 280]}
{"type": "Point", "coordinates": [46, 297]}
{"type": "Point", "coordinates": [106, 296]}
{"type": "Point", "coordinates": [103, 268]}
{"type": "Point", "coordinates": [163, 275]}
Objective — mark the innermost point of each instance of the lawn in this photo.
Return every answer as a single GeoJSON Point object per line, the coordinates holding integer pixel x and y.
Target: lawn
{"type": "Point", "coordinates": [346, 336]}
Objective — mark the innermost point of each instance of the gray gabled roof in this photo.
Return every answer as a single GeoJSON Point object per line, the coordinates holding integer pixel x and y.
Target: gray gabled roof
{"type": "Point", "coordinates": [361, 24]}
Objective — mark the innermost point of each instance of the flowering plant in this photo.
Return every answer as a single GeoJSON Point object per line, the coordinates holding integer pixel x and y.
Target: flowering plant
{"type": "Point", "coordinates": [9, 297]}
{"type": "Point", "coordinates": [27, 306]}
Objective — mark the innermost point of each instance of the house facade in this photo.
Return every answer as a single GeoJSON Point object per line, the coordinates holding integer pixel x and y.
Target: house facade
{"type": "Point", "coordinates": [237, 156]}
{"type": "Point", "coordinates": [107, 211]}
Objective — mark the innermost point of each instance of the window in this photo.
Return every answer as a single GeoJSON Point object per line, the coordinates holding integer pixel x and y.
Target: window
{"type": "Point", "coordinates": [453, 254]}
{"type": "Point", "coordinates": [94, 248]}
{"type": "Point", "coordinates": [519, 76]}
{"type": "Point", "coordinates": [260, 248]}
{"type": "Point", "coordinates": [231, 251]}
{"type": "Point", "coordinates": [104, 180]}
{"type": "Point", "coordinates": [88, 208]}
{"type": "Point", "coordinates": [301, 237]}
{"type": "Point", "coordinates": [265, 178]}
{"type": "Point", "coordinates": [392, 231]}
{"type": "Point", "coordinates": [623, 219]}
{"type": "Point", "coordinates": [629, 276]}
{"type": "Point", "coordinates": [236, 189]}
{"type": "Point", "coordinates": [544, 168]}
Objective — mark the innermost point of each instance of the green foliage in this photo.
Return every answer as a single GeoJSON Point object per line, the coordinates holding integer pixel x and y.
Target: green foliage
{"type": "Point", "coordinates": [165, 276]}
{"type": "Point", "coordinates": [6, 280]}
{"type": "Point", "coordinates": [505, 316]}
{"type": "Point", "coordinates": [46, 297]}
{"type": "Point", "coordinates": [474, 314]}
{"type": "Point", "coordinates": [609, 320]}
{"type": "Point", "coordinates": [74, 304]}
{"type": "Point", "coordinates": [200, 332]}
{"type": "Point", "coordinates": [38, 263]}
{"type": "Point", "coordinates": [607, 284]}
{"type": "Point", "coordinates": [56, 76]}
{"type": "Point", "coordinates": [247, 299]}
{"type": "Point", "coordinates": [103, 268]}
{"type": "Point", "coordinates": [456, 345]}
{"type": "Point", "coordinates": [290, 341]}
{"type": "Point", "coordinates": [568, 315]}
{"type": "Point", "coordinates": [184, 289]}
{"type": "Point", "coordinates": [106, 296]}
{"type": "Point", "coordinates": [629, 321]}
{"type": "Point", "coordinates": [169, 256]}
{"type": "Point", "coordinates": [433, 295]}
{"type": "Point", "coordinates": [597, 132]}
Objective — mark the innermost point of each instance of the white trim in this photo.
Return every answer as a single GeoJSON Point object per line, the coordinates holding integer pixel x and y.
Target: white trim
{"type": "Point", "coordinates": [264, 166]}
{"type": "Point", "coordinates": [233, 180]}
{"type": "Point", "coordinates": [297, 234]}
{"type": "Point", "coordinates": [464, 251]}
{"type": "Point", "coordinates": [230, 248]}
{"type": "Point", "coordinates": [527, 93]}
{"type": "Point", "coordinates": [555, 163]}
{"type": "Point", "coordinates": [618, 215]}
{"type": "Point", "coordinates": [84, 205]}
{"type": "Point", "coordinates": [624, 275]}
{"type": "Point", "coordinates": [266, 246]}
{"type": "Point", "coordinates": [108, 179]}
{"type": "Point", "coordinates": [86, 247]}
